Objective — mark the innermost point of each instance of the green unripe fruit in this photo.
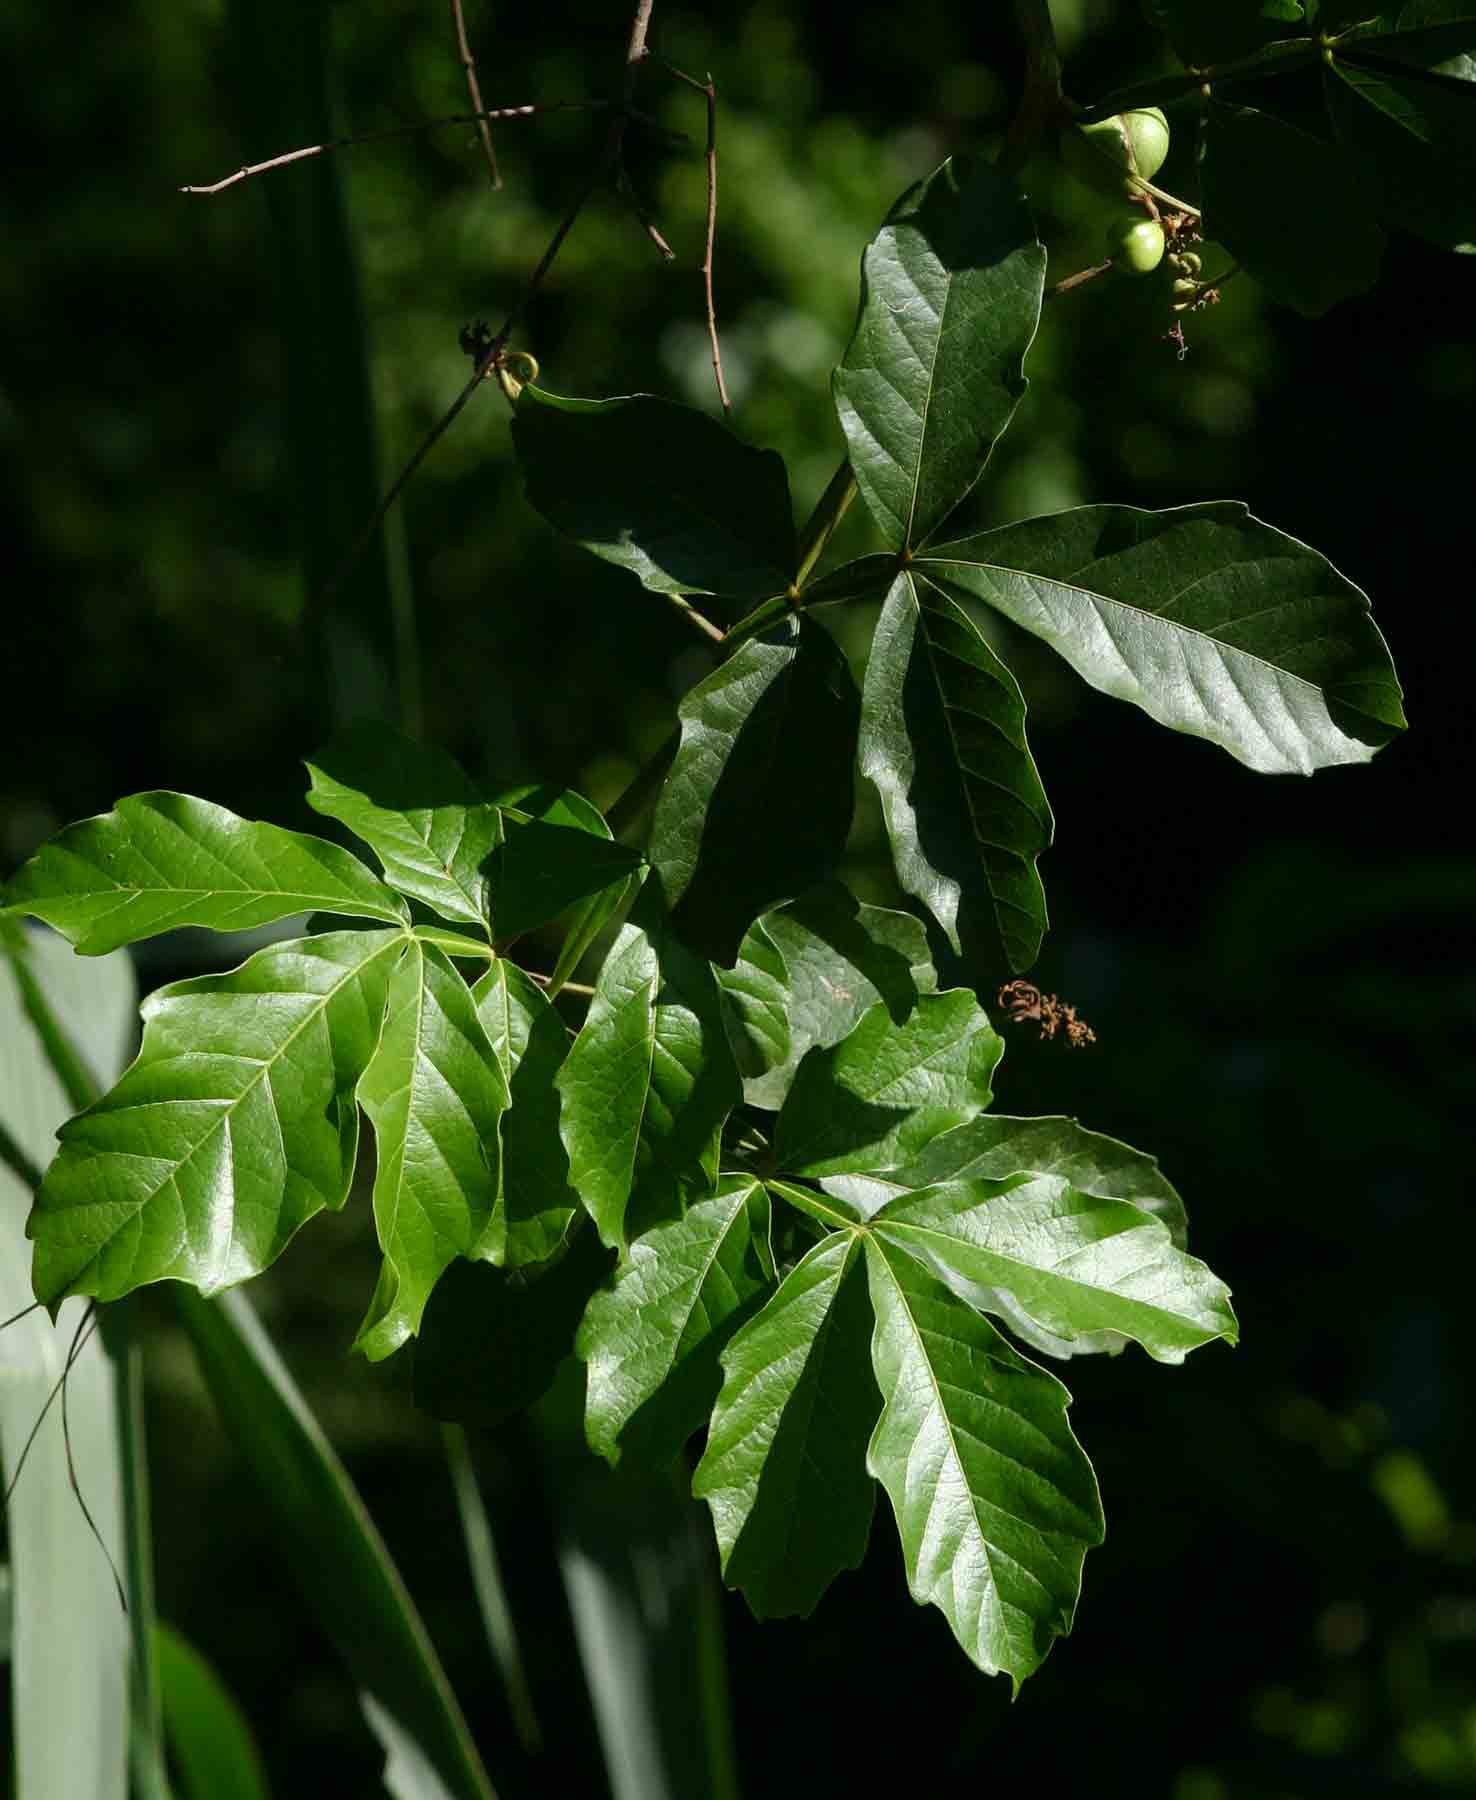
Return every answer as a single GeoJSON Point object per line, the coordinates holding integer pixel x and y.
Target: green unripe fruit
{"type": "Point", "coordinates": [1135, 244]}
{"type": "Point", "coordinates": [1111, 154]}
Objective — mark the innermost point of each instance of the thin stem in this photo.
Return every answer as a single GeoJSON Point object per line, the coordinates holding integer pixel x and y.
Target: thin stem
{"type": "Point", "coordinates": [1079, 279]}
{"type": "Point", "coordinates": [1173, 200]}
{"type": "Point", "coordinates": [691, 614]}
{"type": "Point", "coordinates": [829, 511]}
{"type": "Point", "coordinates": [565, 987]}
{"type": "Point", "coordinates": [709, 91]}
{"type": "Point", "coordinates": [469, 64]}
{"type": "Point", "coordinates": [396, 131]}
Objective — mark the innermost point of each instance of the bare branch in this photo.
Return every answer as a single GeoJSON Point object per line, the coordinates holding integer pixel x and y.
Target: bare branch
{"type": "Point", "coordinates": [469, 64]}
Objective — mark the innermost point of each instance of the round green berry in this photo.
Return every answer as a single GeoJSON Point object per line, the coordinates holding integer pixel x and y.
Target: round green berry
{"type": "Point", "coordinates": [1112, 155]}
{"type": "Point", "coordinates": [1135, 244]}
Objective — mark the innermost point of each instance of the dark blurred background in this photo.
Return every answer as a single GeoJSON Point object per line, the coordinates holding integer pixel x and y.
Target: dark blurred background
{"type": "Point", "coordinates": [197, 394]}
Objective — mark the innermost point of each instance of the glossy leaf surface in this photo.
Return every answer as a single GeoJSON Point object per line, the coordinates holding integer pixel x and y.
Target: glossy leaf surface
{"type": "Point", "coordinates": [784, 1469]}
{"type": "Point", "coordinates": [996, 1503]}
{"type": "Point", "coordinates": [1214, 623]}
{"type": "Point", "coordinates": [660, 489]}
{"type": "Point", "coordinates": [652, 1339]}
{"type": "Point", "coordinates": [417, 811]}
{"type": "Point", "coordinates": [235, 1124]}
{"type": "Point", "coordinates": [648, 1083]}
{"type": "Point", "coordinates": [874, 1100]}
{"type": "Point", "coordinates": [943, 741]}
{"type": "Point", "coordinates": [950, 299]}
{"type": "Point", "coordinates": [435, 1093]}
{"type": "Point", "coordinates": [160, 861]}
{"type": "Point", "coordinates": [758, 803]}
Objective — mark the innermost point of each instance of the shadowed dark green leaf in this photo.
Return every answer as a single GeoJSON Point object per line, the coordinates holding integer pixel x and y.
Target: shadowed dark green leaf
{"type": "Point", "coordinates": [875, 1099]}
{"type": "Point", "coordinates": [995, 1500]}
{"type": "Point", "coordinates": [649, 1082]}
{"type": "Point", "coordinates": [1333, 249]}
{"type": "Point", "coordinates": [784, 1469]}
{"type": "Point", "coordinates": [235, 1124]}
{"type": "Point", "coordinates": [435, 1093]}
{"type": "Point", "coordinates": [943, 741]}
{"type": "Point", "coordinates": [416, 810]}
{"type": "Point", "coordinates": [162, 860]}
{"type": "Point", "coordinates": [807, 972]}
{"type": "Point", "coordinates": [1215, 31]}
{"type": "Point", "coordinates": [758, 803]}
{"type": "Point", "coordinates": [950, 299]}
{"type": "Point", "coordinates": [530, 1041]}
{"type": "Point", "coordinates": [1084, 1273]}
{"type": "Point", "coordinates": [1407, 105]}
{"type": "Point", "coordinates": [326, 1537]}
{"type": "Point", "coordinates": [556, 849]}
{"type": "Point", "coordinates": [652, 1338]}
{"type": "Point", "coordinates": [660, 489]}
{"type": "Point", "coordinates": [1214, 623]}
{"type": "Point", "coordinates": [492, 1339]}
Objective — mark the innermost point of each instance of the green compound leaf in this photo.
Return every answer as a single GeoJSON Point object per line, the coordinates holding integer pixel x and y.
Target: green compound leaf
{"type": "Point", "coordinates": [995, 1500]}
{"type": "Point", "coordinates": [1214, 623]}
{"type": "Point", "coordinates": [995, 1146]}
{"type": "Point", "coordinates": [652, 1339]}
{"type": "Point", "coordinates": [649, 1082]}
{"type": "Point", "coordinates": [805, 975]}
{"type": "Point", "coordinates": [233, 1127]}
{"type": "Point", "coordinates": [784, 1471]}
{"type": "Point", "coordinates": [161, 860]}
{"type": "Point", "coordinates": [543, 867]}
{"type": "Point", "coordinates": [435, 1093]}
{"type": "Point", "coordinates": [758, 803]}
{"type": "Point", "coordinates": [492, 1339]}
{"type": "Point", "coordinates": [943, 742]}
{"type": "Point", "coordinates": [530, 1041]}
{"type": "Point", "coordinates": [417, 811]}
{"type": "Point", "coordinates": [950, 299]}
{"type": "Point", "coordinates": [1336, 245]}
{"type": "Point", "coordinates": [1407, 105]}
{"type": "Point", "coordinates": [1083, 1272]}
{"type": "Point", "coordinates": [660, 489]}
{"type": "Point", "coordinates": [875, 1100]}
{"type": "Point", "coordinates": [1216, 31]}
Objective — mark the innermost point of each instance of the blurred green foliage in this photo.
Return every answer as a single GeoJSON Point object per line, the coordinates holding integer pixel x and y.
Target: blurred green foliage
{"type": "Point", "coordinates": [1281, 974]}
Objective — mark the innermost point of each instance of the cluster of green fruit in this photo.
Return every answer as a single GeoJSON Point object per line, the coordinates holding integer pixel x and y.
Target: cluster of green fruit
{"type": "Point", "coordinates": [1116, 158]}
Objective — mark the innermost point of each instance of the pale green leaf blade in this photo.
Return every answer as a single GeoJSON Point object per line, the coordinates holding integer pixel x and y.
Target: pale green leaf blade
{"type": "Point", "coordinates": [996, 1146]}
{"type": "Point", "coordinates": [661, 490]}
{"type": "Point", "coordinates": [651, 1340]}
{"type": "Point", "coordinates": [435, 1093]}
{"type": "Point", "coordinates": [996, 1503]}
{"type": "Point", "coordinates": [530, 1041]}
{"type": "Point", "coordinates": [416, 810]}
{"type": "Point", "coordinates": [943, 742]}
{"type": "Point", "coordinates": [950, 299]}
{"type": "Point", "coordinates": [758, 804]}
{"type": "Point", "coordinates": [326, 1537]}
{"type": "Point", "coordinates": [784, 1469]}
{"type": "Point", "coordinates": [233, 1127]}
{"type": "Point", "coordinates": [649, 1082]}
{"type": "Point", "coordinates": [68, 1652]}
{"type": "Point", "coordinates": [875, 1099]}
{"type": "Point", "coordinates": [806, 974]}
{"type": "Point", "coordinates": [159, 861]}
{"type": "Point", "coordinates": [1214, 623]}
{"type": "Point", "coordinates": [1084, 1269]}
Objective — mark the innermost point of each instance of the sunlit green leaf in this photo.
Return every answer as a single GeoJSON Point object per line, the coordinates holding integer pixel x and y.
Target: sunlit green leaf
{"type": "Point", "coordinates": [235, 1124]}
{"type": "Point", "coordinates": [649, 1081]}
{"type": "Point", "coordinates": [209, 1738]}
{"type": "Point", "coordinates": [995, 1500]}
{"type": "Point", "coordinates": [943, 740]}
{"type": "Point", "coordinates": [652, 1339]}
{"type": "Point", "coordinates": [660, 489]}
{"type": "Point", "coordinates": [950, 299]}
{"type": "Point", "coordinates": [758, 803]}
{"type": "Point", "coordinates": [530, 1041]}
{"type": "Point", "coordinates": [784, 1469]}
{"type": "Point", "coordinates": [876, 1098]}
{"type": "Point", "coordinates": [1212, 622]}
{"type": "Point", "coordinates": [435, 1093]}
{"type": "Point", "coordinates": [416, 810]}
{"type": "Point", "coordinates": [160, 861]}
